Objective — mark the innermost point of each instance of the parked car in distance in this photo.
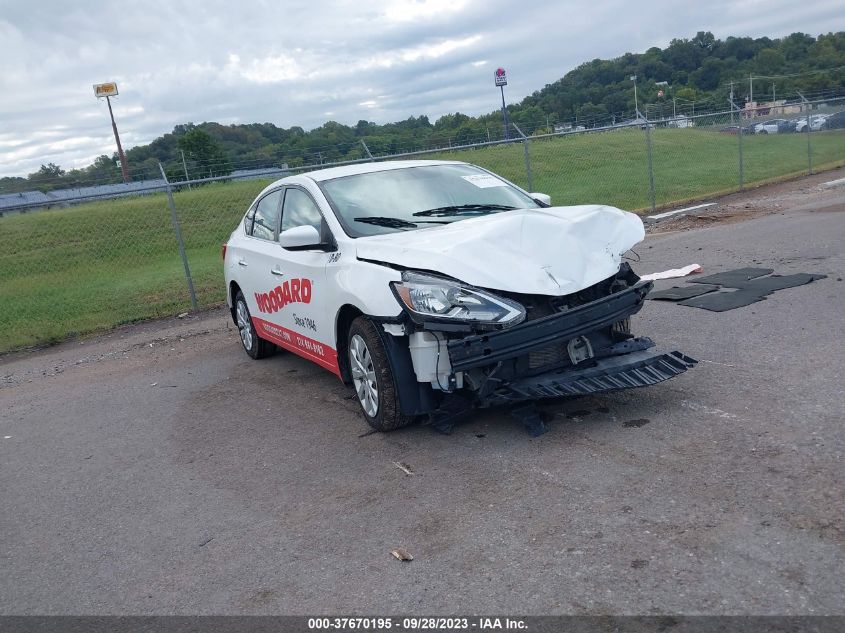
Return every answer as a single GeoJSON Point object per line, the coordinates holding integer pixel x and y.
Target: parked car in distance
{"type": "Point", "coordinates": [416, 280]}
{"type": "Point", "coordinates": [680, 122]}
{"type": "Point", "coordinates": [834, 121]}
{"type": "Point", "coordinates": [772, 126]}
{"type": "Point", "coordinates": [734, 129]}
{"type": "Point", "coordinates": [816, 123]}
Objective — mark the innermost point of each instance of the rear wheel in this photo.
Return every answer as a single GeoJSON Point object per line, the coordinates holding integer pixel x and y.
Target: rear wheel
{"type": "Point", "coordinates": [374, 382]}
{"type": "Point", "coordinates": [253, 345]}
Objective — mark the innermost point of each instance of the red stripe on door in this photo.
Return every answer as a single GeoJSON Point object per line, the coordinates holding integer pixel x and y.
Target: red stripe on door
{"type": "Point", "coordinates": [308, 348]}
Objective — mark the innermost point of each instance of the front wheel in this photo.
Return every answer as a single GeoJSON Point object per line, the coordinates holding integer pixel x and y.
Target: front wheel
{"type": "Point", "coordinates": [374, 382]}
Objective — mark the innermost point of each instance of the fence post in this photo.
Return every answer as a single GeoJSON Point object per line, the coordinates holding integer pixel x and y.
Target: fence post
{"type": "Point", "coordinates": [650, 165]}
{"type": "Point", "coordinates": [734, 106]}
{"type": "Point", "coordinates": [185, 167]}
{"type": "Point", "coordinates": [527, 159]}
{"type": "Point", "coordinates": [177, 229]}
{"type": "Point", "coordinates": [809, 146]}
{"type": "Point", "coordinates": [741, 164]}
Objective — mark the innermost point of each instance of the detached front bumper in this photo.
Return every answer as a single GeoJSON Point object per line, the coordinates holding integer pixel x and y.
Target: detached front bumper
{"type": "Point", "coordinates": [636, 369]}
{"type": "Point", "coordinates": [615, 363]}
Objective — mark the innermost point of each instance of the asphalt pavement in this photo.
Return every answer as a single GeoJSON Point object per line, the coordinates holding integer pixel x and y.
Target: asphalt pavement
{"type": "Point", "coordinates": [159, 470]}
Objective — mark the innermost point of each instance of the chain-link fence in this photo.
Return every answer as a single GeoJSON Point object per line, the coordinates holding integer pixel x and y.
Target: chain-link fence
{"type": "Point", "coordinates": [82, 260]}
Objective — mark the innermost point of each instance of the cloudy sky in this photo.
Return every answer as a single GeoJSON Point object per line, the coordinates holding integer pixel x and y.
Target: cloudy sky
{"type": "Point", "coordinates": [302, 63]}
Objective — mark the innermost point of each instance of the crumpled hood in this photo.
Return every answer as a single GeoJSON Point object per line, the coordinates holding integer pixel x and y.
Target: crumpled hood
{"type": "Point", "coordinates": [552, 251]}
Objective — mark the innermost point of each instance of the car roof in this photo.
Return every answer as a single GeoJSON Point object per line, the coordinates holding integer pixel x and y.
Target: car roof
{"type": "Point", "coordinates": [368, 168]}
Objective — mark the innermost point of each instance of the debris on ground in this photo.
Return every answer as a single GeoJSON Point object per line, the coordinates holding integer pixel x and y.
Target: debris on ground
{"type": "Point", "coordinates": [403, 467]}
{"type": "Point", "coordinates": [530, 418]}
{"type": "Point", "coordinates": [744, 287]}
{"type": "Point", "coordinates": [679, 293]}
{"type": "Point", "coordinates": [401, 554]}
{"type": "Point", "coordinates": [181, 315]}
{"type": "Point", "coordinates": [675, 272]}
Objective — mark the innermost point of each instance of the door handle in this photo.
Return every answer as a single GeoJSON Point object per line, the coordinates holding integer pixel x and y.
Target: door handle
{"type": "Point", "coordinates": [242, 262]}
{"type": "Point", "coordinates": [276, 271]}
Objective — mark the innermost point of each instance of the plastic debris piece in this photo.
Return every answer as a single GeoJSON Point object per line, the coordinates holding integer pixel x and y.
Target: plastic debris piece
{"type": "Point", "coordinates": [679, 293]}
{"type": "Point", "coordinates": [767, 285]}
{"type": "Point", "coordinates": [182, 315]}
{"type": "Point", "coordinates": [401, 554]}
{"type": "Point", "coordinates": [732, 277]}
{"type": "Point", "coordinates": [724, 300]}
{"type": "Point", "coordinates": [403, 467]}
{"type": "Point", "coordinates": [675, 272]}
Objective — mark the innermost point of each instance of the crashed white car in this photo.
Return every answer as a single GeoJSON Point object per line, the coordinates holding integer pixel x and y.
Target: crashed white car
{"type": "Point", "coordinates": [420, 282]}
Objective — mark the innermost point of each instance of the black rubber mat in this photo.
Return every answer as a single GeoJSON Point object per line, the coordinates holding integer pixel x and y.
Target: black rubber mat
{"type": "Point", "coordinates": [679, 293]}
{"type": "Point", "coordinates": [752, 285]}
{"type": "Point", "coordinates": [724, 300]}
{"type": "Point", "coordinates": [767, 285]}
{"type": "Point", "coordinates": [733, 278]}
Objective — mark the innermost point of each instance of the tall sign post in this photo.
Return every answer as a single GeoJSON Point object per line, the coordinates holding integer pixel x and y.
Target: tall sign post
{"type": "Point", "coordinates": [636, 103]}
{"type": "Point", "coordinates": [108, 90]}
{"type": "Point", "coordinates": [501, 78]}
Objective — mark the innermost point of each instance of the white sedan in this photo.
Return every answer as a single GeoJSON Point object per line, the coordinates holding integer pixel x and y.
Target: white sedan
{"type": "Point", "coordinates": [420, 281]}
{"type": "Point", "coordinates": [816, 123]}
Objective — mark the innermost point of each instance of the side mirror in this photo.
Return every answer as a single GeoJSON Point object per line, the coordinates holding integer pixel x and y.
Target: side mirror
{"type": "Point", "coordinates": [300, 238]}
{"type": "Point", "coordinates": [542, 198]}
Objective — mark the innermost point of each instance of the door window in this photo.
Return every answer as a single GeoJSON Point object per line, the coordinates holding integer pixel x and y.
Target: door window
{"type": "Point", "coordinates": [300, 210]}
{"type": "Point", "coordinates": [267, 216]}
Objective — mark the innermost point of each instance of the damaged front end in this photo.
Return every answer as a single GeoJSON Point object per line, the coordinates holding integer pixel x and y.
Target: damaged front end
{"type": "Point", "coordinates": [496, 347]}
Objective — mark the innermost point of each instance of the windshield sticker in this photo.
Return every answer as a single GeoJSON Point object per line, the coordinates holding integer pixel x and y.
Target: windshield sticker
{"type": "Point", "coordinates": [483, 181]}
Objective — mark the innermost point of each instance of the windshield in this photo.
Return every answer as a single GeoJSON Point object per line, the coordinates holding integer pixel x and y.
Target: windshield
{"type": "Point", "coordinates": [417, 197]}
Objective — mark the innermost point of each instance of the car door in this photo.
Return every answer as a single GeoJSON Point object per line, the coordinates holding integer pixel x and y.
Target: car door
{"type": "Point", "coordinates": [294, 305]}
{"type": "Point", "coordinates": [252, 253]}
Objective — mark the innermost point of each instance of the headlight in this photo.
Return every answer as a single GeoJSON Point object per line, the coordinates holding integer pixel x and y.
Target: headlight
{"type": "Point", "coordinates": [427, 297]}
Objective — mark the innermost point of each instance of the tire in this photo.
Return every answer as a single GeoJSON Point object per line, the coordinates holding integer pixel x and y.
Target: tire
{"type": "Point", "coordinates": [253, 345]}
{"type": "Point", "coordinates": [372, 378]}
{"type": "Point", "coordinates": [762, 132]}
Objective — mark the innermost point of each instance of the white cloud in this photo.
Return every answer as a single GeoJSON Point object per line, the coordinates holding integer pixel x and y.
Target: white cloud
{"type": "Point", "coordinates": [412, 10]}
{"type": "Point", "coordinates": [265, 70]}
{"type": "Point", "coordinates": [299, 64]}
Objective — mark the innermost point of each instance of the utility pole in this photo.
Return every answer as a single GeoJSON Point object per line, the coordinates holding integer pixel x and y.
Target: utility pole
{"type": "Point", "coordinates": [108, 90]}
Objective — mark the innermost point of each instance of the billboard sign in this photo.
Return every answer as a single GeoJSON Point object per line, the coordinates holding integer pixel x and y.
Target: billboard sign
{"type": "Point", "coordinates": [501, 77]}
{"type": "Point", "coordinates": [105, 90]}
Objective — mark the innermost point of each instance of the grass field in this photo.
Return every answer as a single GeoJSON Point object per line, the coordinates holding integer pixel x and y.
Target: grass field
{"type": "Point", "coordinates": [97, 265]}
